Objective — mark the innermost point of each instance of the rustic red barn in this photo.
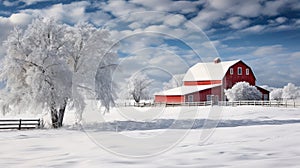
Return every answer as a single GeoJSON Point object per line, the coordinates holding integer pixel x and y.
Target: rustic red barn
{"type": "Point", "coordinates": [207, 81]}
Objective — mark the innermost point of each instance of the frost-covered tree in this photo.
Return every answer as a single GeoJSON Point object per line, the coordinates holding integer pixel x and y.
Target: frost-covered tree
{"type": "Point", "coordinates": [92, 59]}
{"type": "Point", "coordinates": [34, 68]}
{"type": "Point", "coordinates": [276, 94]}
{"type": "Point", "coordinates": [47, 63]}
{"type": "Point", "coordinates": [290, 91]}
{"type": "Point", "coordinates": [243, 91]}
{"type": "Point", "coordinates": [138, 86]}
{"type": "Point", "coordinates": [175, 81]}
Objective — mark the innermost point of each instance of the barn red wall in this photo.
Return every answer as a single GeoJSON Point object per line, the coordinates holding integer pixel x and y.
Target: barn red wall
{"type": "Point", "coordinates": [209, 82]}
{"type": "Point", "coordinates": [201, 95]}
{"type": "Point", "coordinates": [160, 99]}
{"type": "Point", "coordinates": [229, 80]}
{"type": "Point", "coordinates": [169, 99]}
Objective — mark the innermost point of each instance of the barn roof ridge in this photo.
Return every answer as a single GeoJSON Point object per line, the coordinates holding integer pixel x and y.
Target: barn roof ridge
{"type": "Point", "coordinates": [208, 70]}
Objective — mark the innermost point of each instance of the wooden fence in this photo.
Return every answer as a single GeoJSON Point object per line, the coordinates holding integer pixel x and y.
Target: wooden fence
{"type": "Point", "coordinates": [20, 123]}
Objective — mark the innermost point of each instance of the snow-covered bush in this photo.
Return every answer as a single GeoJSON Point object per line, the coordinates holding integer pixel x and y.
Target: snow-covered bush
{"type": "Point", "coordinates": [243, 91]}
{"type": "Point", "coordinates": [276, 94]}
{"type": "Point", "coordinates": [290, 91]}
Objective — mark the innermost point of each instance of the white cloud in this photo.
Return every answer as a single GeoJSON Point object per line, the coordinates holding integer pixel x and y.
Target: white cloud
{"type": "Point", "coordinates": [98, 18]}
{"type": "Point", "coordinates": [206, 18]}
{"type": "Point", "coordinates": [295, 56]}
{"type": "Point", "coordinates": [272, 7]}
{"type": "Point", "coordinates": [254, 29]}
{"type": "Point", "coordinates": [167, 31]}
{"type": "Point", "coordinates": [30, 2]}
{"type": "Point", "coordinates": [236, 7]}
{"type": "Point", "coordinates": [8, 3]}
{"type": "Point", "coordinates": [174, 20]}
{"type": "Point", "coordinates": [232, 12]}
{"type": "Point", "coordinates": [169, 6]}
{"type": "Point", "coordinates": [221, 5]}
{"type": "Point", "coordinates": [20, 19]}
{"type": "Point", "coordinates": [268, 50]}
{"type": "Point", "coordinates": [281, 20]}
{"type": "Point", "coordinates": [237, 22]}
{"type": "Point", "coordinates": [70, 13]}
{"type": "Point", "coordinates": [135, 25]}
{"type": "Point", "coordinates": [7, 24]}
{"type": "Point", "coordinates": [155, 62]}
{"type": "Point", "coordinates": [121, 8]}
{"type": "Point", "coordinates": [16, 19]}
{"type": "Point", "coordinates": [276, 70]}
{"type": "Point", "coordinates": [214, 44]}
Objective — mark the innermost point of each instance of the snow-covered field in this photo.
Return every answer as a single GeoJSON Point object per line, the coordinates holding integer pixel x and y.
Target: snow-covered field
{"type": "Point", "coordinates": [245, 136]}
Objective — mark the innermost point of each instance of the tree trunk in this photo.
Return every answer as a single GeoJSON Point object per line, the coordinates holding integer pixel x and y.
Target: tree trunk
{"type": "Point", "coordinates": [136, 98]}
{"type": "Point", "coordinates": [54, 117]}
{"type": "Point", "coordinates": [61, 113]}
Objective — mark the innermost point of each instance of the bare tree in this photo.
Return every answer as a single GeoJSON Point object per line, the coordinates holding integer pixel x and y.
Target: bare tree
{"type": "Point", "coordinates": [138, 86]}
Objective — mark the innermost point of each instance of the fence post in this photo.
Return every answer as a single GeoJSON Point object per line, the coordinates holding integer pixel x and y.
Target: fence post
{"type": "Point", "coordinates": [39, 122]}
{"type": "Point", "coordinates": [20, 121]}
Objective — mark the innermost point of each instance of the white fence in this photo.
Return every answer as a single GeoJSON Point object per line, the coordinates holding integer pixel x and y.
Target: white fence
{"type": "Point", "coordinates": [272, 103]}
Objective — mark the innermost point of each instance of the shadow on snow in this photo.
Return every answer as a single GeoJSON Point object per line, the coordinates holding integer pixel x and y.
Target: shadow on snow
{"type": "Point", "coordinates": [179, 124]}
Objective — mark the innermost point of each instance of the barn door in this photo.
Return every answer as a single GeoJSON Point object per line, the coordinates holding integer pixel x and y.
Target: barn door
{"type": "Point", "coordinates": [213, 99]}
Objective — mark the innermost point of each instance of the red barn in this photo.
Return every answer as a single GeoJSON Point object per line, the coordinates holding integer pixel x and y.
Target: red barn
{"type": "Point", "coordinates": [207, 81]}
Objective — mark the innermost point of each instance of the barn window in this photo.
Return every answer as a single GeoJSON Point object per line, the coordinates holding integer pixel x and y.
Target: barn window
{"type": "Point", "coordinates": [190, 98]}
{"type": "Point", "coordinates": [231, 71]}
{"type": "Point", "coordinates": [239, 70]}
{"type": "Point", "coordinates": [247, 71]}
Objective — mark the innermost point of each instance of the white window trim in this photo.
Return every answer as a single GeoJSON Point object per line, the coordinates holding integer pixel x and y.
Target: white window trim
{"type": "Point", "coordinates": [247, 71]}
{"type": "Point", "coordinates": [238, 71]}
{"type": "Point", "coordinates": [190, 97]}
{"type": "Point", "coordinates": [231, 71]}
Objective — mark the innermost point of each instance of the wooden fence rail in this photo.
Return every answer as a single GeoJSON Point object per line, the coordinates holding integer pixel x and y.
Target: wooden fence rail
{"type": "Point", "coordinates": [20, 123]}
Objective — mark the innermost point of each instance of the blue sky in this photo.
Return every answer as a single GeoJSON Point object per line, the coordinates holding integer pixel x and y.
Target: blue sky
{"type": "Point", "coordinates": [165, 37]}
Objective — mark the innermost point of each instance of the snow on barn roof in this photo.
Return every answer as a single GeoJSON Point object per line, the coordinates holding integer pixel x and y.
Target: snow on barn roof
{"type": "Point", "coordinates": [183, 90]}
{"type": "Point", "coordinates": [208, 71]}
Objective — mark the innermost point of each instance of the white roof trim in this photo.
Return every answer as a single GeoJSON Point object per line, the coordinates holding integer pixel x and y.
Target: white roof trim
{"type": "Point", "coordinates": [183, 90]}
{"type": "Point", "coordinates": [208, 71]}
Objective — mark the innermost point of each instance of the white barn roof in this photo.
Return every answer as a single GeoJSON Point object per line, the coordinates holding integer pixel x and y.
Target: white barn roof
{"type": "Point", "coordinates": [208, 71]}
{"type": "Point", "coordinates": [183, 90]}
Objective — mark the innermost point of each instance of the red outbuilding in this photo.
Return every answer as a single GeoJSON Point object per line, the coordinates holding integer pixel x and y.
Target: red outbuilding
{"type": "Point", "coordinates": [207, 81]}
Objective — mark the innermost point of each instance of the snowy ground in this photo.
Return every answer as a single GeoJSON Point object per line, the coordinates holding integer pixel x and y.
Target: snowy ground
{"type": "Point", "coordinates": [245, 136]}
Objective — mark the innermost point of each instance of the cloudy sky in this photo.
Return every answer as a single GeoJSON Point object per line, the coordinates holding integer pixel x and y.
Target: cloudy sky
{"type": "Point", "coordinates": [165, 37]}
